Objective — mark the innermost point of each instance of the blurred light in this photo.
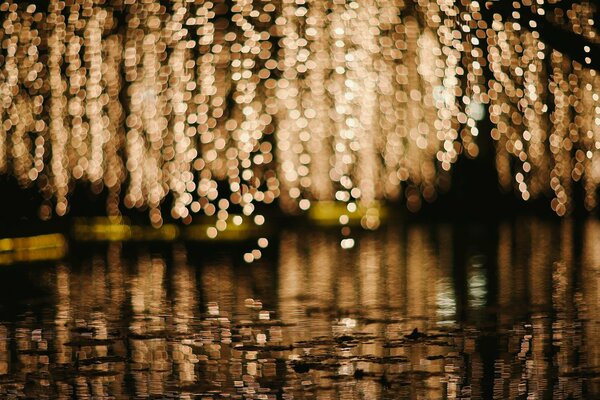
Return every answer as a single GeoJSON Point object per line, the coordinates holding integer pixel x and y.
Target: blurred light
{"type": "Point", "coordinates": [356, 103]}
{"type": "Point", "coordinates": [347, 243]}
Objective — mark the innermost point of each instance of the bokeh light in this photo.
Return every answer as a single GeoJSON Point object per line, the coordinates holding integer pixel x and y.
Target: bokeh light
{"type": "Point", "coordinates": [224, 106]}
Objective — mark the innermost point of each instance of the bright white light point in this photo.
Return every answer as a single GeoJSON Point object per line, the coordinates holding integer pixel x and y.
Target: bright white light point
{"type": "Point", "coordinates": [347, 243]}
{"type": "Point", "coordinates": [346, 369]}
{"type": "Point", "coordinates": [256, 254]}
{"type": "Point", "coordinates": [264, 315]}
{"type": "Point", "coordinates": [344, 219]}
{"type": "Point", "coordinates": [304, 204]}
{"type": "Point", "coordinates": [259, 219]}
{"type": "Point", "coordinates": [237, 220]}
{"type": "Point", "coordinates": [476, 111]}
{"type": "Point", "coordinates": [441, 94]}
{"type": "Point", "coordinates": [248, 257]}
{"type": "Point", "coordinates": [211, 232]}
{"type": "Point", "coordinates": [263, 243]}
{"type": "Point", "coordinates": [351, 207]}
{"type": "Point", "coordinates": [261, 338]}
{"type": "Point", "coordinates": [248, 209]}
{"type": "Point", "coordinates": [213, 309]}
{"type": "Point", "coordinates": [348, 322]}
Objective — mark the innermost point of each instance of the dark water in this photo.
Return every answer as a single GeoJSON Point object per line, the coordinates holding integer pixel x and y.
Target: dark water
{"type": "Point", "coordinates": [505, 311]}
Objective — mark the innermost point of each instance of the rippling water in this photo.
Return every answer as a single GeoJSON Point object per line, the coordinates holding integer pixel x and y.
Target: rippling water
{"type": "Point", "coordinates": [419, 312]}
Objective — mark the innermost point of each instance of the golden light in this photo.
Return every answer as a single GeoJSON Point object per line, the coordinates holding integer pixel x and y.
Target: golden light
{"type": "Point", "coordinates": [225, 106]}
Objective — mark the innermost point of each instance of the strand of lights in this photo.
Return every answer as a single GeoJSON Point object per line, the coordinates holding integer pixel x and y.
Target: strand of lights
{"type": "Point", "coordinates": [21, 94]}
{"type": "Point", "coordinates": [560, 144]}
{"type": "Point", "coordinates": [476, 94]}
{"type": "Point", "coordinates": [369, 98]}
{"type": "Point", "coordinates": [446, 95]}
{"type": "Point", "coordinates": [390, 56]}
{"type": "Point", "coordinates": [319, 105]}
{"type": "Point", "coordinates": [383, 117]}
{"type": "Point", "coordinates": [58, 104]}
{"type": "Point", "coordinates": [210, 64]}
{"type": "Point", "coordinates": [544, 110]}
{"type": "Point", "coordinates": [146, 122]}
{"type": "Point", "coordinates": [179, 148]}
{"type": "Point", "coordinates": [518, 107]}
{"type": "Point", "coordinates": [288, 133]}
{"type": "Point", "coordinates": [114, 173]}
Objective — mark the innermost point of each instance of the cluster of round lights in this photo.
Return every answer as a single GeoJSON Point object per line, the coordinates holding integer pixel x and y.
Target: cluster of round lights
{"type": "Point", "coordinates": [544, 107]}
{"type": "Point", "coordinates": [227, 105]}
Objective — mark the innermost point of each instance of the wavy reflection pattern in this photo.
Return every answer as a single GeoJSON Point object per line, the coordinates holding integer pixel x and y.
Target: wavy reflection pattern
{"type": "Point", "coordinates": [418, 312]}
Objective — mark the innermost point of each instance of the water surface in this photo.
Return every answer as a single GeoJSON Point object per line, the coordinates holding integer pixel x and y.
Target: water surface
{"type": "Point", "coordinates": [502, 311]}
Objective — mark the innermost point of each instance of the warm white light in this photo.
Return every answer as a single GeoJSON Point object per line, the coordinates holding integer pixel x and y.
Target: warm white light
{"type": "Point", "coordinates": [361, 102]}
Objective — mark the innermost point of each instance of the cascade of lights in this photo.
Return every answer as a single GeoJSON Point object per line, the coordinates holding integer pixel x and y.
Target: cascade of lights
{"type": "Point", "coordinates": [210, 107]}
{"type": "Point", "coordinates": [544, 108]}
{"type": "Point", "coordinates": [172, 101]}
{"type": "Point", "coordinates": [371, 97]}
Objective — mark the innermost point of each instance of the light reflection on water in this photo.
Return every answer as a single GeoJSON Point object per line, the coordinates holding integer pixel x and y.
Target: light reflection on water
{"type": "Point", "coordinates": [502, 311]}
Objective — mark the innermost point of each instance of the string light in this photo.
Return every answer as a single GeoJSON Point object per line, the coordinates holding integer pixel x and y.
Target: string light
{"type": "Point", "coordinates": [224, 106]}
{"type": "Point", "coordinates": [543, 108]}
